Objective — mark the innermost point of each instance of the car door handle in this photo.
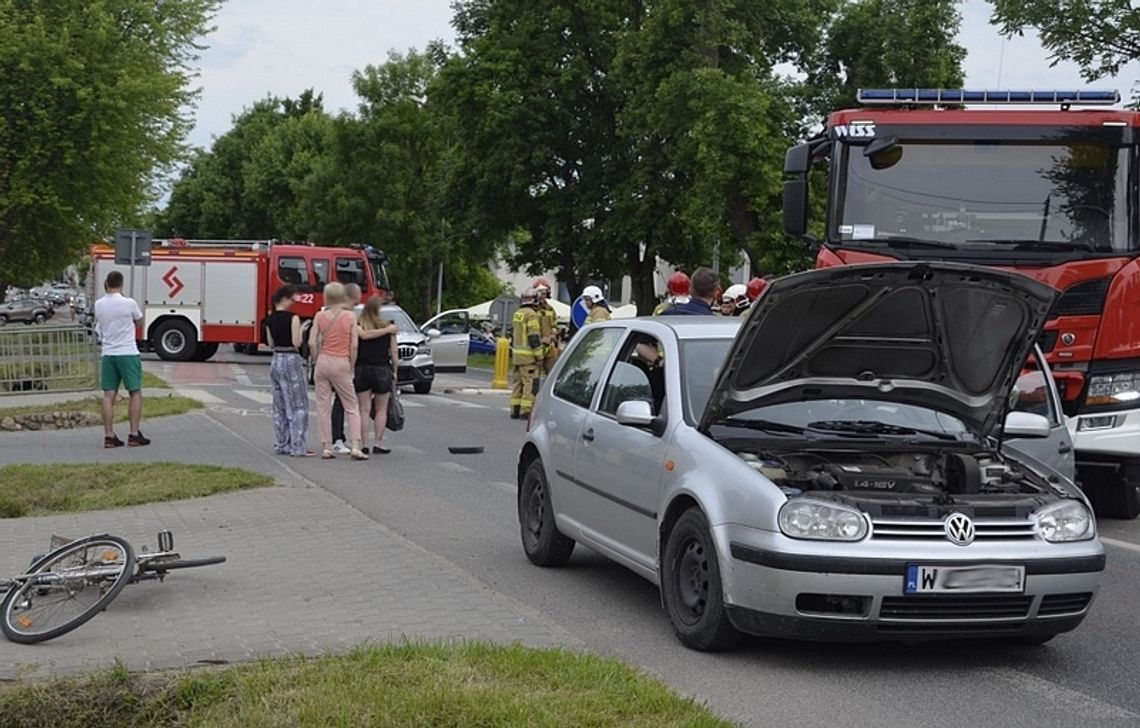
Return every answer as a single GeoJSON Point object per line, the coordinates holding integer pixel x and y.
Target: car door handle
{"type": "Point", "coordinates": [1064, 448]}
{"type": "Point", "coordinates": [588, 435]}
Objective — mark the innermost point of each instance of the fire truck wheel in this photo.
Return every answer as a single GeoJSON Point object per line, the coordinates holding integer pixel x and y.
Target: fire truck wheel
{"type": "Point", "coordinates": [1128, 503]}
{"type": "Point", "coordinates": [174, 340]}
{"type": "Point", "coordinates": [204, 351]}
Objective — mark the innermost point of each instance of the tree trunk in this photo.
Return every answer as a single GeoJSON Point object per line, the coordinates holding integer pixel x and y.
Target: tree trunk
{"type": "Point", "coordinates": [641, 280]}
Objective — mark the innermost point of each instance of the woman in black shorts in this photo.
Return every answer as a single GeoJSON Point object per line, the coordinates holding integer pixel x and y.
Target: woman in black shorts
{"type": "Point", "coordinates": [376, 362]}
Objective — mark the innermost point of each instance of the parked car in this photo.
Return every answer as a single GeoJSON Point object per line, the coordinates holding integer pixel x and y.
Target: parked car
{"type": "Point", "coordinates": [481, 343]}
{"type": "Point", "coordinates": [829, 468]}
{"type": "Point", "coordinates": [417, 363]}
{"type": "Point", "coordinates": [27, 310]}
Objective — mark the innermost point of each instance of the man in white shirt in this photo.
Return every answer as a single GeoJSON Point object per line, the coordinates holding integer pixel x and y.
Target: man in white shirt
{"type": "Point", "coordinates": [115, 315]}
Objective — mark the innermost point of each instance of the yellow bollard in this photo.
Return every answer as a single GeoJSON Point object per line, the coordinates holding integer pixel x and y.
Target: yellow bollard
{"type": "Point", "coordinates": [502, 363]}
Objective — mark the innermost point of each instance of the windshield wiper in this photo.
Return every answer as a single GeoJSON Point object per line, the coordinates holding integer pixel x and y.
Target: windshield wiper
{"type": "Point", "coordinates": [1031, 244]}
{"type": "Point", "coordinates": [871, 427]}
{"type": "Point", "coordinates": [918, 242]}
{"type": "Point", "coordinates": [762, 425]}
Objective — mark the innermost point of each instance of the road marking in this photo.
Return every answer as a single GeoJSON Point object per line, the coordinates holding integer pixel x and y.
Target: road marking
{"type": "Point", "coordinates": [410, 403]}
{"type": "Point", "coordinates": [1128, 545]}
{"type": "Point", "coordinates": [261, 397]}
{"type": "Point", "coordinates": [200, 395]}
{"type": "Point", "coordinates": [408, 448]}
{"type": "Point", "coordinates": [457, 402]}
{"type": "Point", "coordinates": [453, 467]}
{"type": "Point", "coordinates": [241, 377]}
{"type": "Point", "coordinates": [1060, 696]}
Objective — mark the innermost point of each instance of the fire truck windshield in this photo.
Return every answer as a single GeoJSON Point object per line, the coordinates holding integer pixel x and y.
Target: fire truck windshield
{"type": "Point", "coordinates": [995, 197]}
{"type": "Point", "coordinates": [379, 273]}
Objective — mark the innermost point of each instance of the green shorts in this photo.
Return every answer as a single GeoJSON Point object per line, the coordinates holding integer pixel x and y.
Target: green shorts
{"type": "Point", "coordinates": [126, 369]}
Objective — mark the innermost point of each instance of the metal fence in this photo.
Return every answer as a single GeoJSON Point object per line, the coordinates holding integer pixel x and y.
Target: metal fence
{"type": "Point", "coordinates": [47, 358]}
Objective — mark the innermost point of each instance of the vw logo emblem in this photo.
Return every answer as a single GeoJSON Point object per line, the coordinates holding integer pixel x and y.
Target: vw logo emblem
{"type": "Point", "coordinates": [959, 529]}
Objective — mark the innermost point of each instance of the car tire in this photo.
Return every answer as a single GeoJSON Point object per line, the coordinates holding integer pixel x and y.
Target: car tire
{"type": "Point", "coordinates": [174, 340]}
{"type": "Point", "coordinates": [543, 543]}
{"type": "Point", "coordinates": [1114, 496]}
{"type": "Point", "coordinates": [422, 387]}
{"type": "Point", "coordinates": [691, 587]}
{"type": "Point", "coordinates": [40, 318]}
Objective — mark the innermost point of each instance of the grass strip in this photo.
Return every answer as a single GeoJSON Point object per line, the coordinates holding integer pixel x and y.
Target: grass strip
{"type": "Point", "coordinates": [40, 490]}
{"type": "Point", "coordinates": [417, 684]}
{"type": "Point", "coordinates": [481, 361]}
{"type": "Point", "coordinates": [152, 407]}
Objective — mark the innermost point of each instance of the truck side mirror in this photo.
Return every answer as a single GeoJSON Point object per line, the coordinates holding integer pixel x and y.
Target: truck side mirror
{"type": "Point", "coordinates": [796, 207]}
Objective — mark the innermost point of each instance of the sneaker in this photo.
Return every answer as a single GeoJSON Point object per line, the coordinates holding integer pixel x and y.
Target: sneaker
{"type": "Point", "coordinates": [340, 448]}
{"type": "Point", "coordinates": [137, 440]}
{"type": "Point", "coordinates": [112, 441]}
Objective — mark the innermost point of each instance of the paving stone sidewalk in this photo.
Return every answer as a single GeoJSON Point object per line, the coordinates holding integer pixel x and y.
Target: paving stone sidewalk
{"type": "Point", "coordinates": [306, 572]}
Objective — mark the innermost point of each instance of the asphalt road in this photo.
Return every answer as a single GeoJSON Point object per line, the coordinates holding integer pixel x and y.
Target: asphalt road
{"type": "Point", "coordinates": [462, 508]}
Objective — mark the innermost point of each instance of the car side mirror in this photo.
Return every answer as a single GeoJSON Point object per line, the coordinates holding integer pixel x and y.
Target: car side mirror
{"type": "Point", "coordinates": [635, 413]}
{"type": "Point", "coordinates": [1027, 424]}
{"type": "Point", "coordinates": [433, 333]}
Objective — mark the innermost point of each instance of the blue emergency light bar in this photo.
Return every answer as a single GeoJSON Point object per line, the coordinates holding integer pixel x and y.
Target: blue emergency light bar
{"type": "Point", "coordinates": [938, 96]}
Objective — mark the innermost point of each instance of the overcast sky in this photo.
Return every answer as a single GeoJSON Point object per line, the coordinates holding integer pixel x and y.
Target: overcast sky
{"type": "Point", "coordinates": [282, 47]}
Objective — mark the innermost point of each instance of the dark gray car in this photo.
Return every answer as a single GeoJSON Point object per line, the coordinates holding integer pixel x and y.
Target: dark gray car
{"type": "Point", "coordinates": [832, 468]}
{"type": "Point", "coordinates": [25, 310]}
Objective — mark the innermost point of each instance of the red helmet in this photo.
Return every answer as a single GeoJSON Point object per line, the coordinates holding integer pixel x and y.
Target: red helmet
{"type": "Point", "coordinates": [756, 286]}
{"type": "Point", "coordinates": [540, 284]}
{"type": "Point", "coordinates": [678, 284]}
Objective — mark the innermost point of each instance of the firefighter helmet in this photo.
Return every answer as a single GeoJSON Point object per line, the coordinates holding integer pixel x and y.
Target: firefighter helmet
{"type": "Point", "coordinates": [678, 284]}
{"type": "Point", "coordinates": [541, 286]}
{"type": "Point", "coordinates": [593, 294]}
{"type": "Point", "coordinates": [528, 297]}
{"type": "Point", "coordinates": [756, 286]}
{"type": "Point", "coordinates": [737, 295]}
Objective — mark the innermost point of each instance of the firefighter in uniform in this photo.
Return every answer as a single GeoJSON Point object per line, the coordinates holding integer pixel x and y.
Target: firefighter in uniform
{"type": "Point", "coordinates": [548, 318]}
{"type": "Point", "coordinates": [599, 309]}
{"type": "Point", "coordinates": [527, 351]}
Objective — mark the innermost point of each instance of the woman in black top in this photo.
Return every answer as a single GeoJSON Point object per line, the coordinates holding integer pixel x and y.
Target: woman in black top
{"type": "Point", "coordinates": [287, 375]}
{"type": "Point", "coordinates": [376, 362]}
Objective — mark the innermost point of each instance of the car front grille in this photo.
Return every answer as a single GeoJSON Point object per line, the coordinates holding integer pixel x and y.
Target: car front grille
{"type": "Point", "coordinates": [987, 529]}
{"type": "Point", "coordinates": [956, 608]}
{"type": "Point", "coordinates": [1055, 605]}
{"type": "Point", "coordinates": [406, 351]}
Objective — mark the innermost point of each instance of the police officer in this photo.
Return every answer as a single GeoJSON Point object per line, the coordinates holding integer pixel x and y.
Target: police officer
{"type": "Point", "coordinates": [527, 352]}
{"type": "Point", "coordinates": [596, 300]}
{"type": "Point", "coordinates": [549, 320]}
{"type": "Point", "coordinates": [678, 292]}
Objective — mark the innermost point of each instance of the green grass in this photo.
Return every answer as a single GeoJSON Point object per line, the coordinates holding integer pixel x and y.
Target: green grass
{"type": "Point", "coordinates": [40, 490]}
{"type": "Point", "coordinates": [153, 381]}
{"type": "Point", "coordinates": [482, 361]}
{"type": "Point", "coordinates": [470, 684]}
{"type": "Point", "coordinates": [152, 407]}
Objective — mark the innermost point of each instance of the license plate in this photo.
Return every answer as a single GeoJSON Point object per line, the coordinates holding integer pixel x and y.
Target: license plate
{"type": "Point", "coordinates": [963, 579]}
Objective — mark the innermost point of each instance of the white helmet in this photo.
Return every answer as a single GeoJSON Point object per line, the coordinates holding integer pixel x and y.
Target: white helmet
{"type": "Point", "coordinates": [737, 295]}
{"type": "Point", "coordinates": [593, 293]}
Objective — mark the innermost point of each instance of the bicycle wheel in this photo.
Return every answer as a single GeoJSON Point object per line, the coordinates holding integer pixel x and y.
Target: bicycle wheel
{"type": "Point", "coordinates": [66, 588]}
{"type": "Point", "coordinates": [173, 564]}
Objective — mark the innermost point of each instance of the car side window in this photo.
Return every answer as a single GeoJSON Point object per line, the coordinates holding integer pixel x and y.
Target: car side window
{"type": "Point", "coordinates": [1031, 393]}
{"type": "Point", "coordinates": [637, 375]}
{"type": "Point", "coordinates": [292, 270]}
{"type": "Point", "coordinates": [453, 323]}
{"type": "Point", "coordinates": [584, 366]}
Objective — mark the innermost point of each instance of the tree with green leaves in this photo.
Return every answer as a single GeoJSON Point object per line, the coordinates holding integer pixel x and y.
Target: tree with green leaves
{"type": "Point", "coordinates": [95, 100]}
{"type": "Point", "coordinates": [1101, 37]}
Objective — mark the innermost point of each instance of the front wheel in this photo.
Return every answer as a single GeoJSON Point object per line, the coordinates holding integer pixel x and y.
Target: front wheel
{"type": "Point", "coordinates": [543, 543]}
{"type": "Point", "coordinates": [66, 588]}
{"type": "Point", "coordinates": [204, 351]}
{"type": "Point", "coordinates": [422, 387]}
{"type": "Point", "coordinates": [691, 586]}
{"type": "Point", "coordinates": [174, 340]}
{"type": "Point", "coordinates": [40, 318]}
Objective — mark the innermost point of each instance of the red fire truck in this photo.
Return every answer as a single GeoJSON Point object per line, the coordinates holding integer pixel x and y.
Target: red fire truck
{"type": "Point", "coordinates": [1052, 192]}
{"type": "Point", "coordinates": [198, 294]}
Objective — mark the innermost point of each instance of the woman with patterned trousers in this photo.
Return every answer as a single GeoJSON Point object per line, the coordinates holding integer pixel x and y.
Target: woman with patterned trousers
{"type": "Point", "coordinates": [287, 376]}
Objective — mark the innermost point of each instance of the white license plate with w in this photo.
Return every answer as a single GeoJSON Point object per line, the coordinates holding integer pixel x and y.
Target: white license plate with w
{"type": "Point", "coordinates": [921, 579]}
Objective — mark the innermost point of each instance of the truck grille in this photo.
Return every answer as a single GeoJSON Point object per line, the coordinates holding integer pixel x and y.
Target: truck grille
{"type": "Point", "coordinates": [956, 608]}
{"type": "Point", "coordinates": [406, 351]}
{"type": "Point", "coordinates": [1057, 604]}
{"type": "Point", "coordinates": [989, 529]}
{"type": "Point", "coordinates": [1082, 299]}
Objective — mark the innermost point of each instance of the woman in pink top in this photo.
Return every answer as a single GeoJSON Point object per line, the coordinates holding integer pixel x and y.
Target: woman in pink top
{"type": "Point", "coordinates": [333, 341]}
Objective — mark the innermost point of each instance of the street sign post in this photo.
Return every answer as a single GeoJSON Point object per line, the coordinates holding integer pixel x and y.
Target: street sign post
{"type": "Point", "coordinates": [132, 247]}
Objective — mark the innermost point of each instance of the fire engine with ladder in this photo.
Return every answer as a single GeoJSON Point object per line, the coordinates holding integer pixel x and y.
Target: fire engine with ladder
{"type": "Point", "coordinates": [1030, 183]}
{"type": "Point", "coordinates": [199, 294]}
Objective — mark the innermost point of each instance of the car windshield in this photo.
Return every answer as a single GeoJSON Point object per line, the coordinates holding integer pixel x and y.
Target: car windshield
{"type": "Point", "coordinates": [855, 416]}
{"type": "Point", "coordinates": [985, 195]}
{"type": "Point", "coordinates": [400, 318]}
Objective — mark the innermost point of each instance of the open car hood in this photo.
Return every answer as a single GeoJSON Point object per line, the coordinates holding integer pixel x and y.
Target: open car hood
{"type": "Point", "coordinates": [945, 336]}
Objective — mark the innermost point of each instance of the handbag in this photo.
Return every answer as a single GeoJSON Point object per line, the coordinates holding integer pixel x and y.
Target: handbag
{"type": "Point", "coordinates": [395, 411]}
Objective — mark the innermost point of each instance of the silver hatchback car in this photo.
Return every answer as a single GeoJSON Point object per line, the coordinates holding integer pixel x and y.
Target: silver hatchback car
{"type": "Point", "coordinates": [831, 468]}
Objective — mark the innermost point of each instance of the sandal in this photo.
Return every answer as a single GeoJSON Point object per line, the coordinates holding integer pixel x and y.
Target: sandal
{"type": "Point", "coordinates": [327, 454]}
{"type": "Point", "coordinates": [358, 455]}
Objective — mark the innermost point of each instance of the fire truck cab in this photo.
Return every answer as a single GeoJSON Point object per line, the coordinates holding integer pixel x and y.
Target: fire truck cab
{"type": "Point", "coordinates": [199, 294]}
{"type": "Point", "coordinates": [1028, 183]}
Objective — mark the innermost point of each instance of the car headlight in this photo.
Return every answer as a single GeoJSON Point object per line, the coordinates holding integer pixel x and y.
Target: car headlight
{"type": "Point", "coordinates": [819, 521]}
{"type": "Point", "coordinates": [423, 349]}
{"type": "Point", "coordinates": [1113, 389]}
{"type": "Point", "coordinates": [1067, 521]}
